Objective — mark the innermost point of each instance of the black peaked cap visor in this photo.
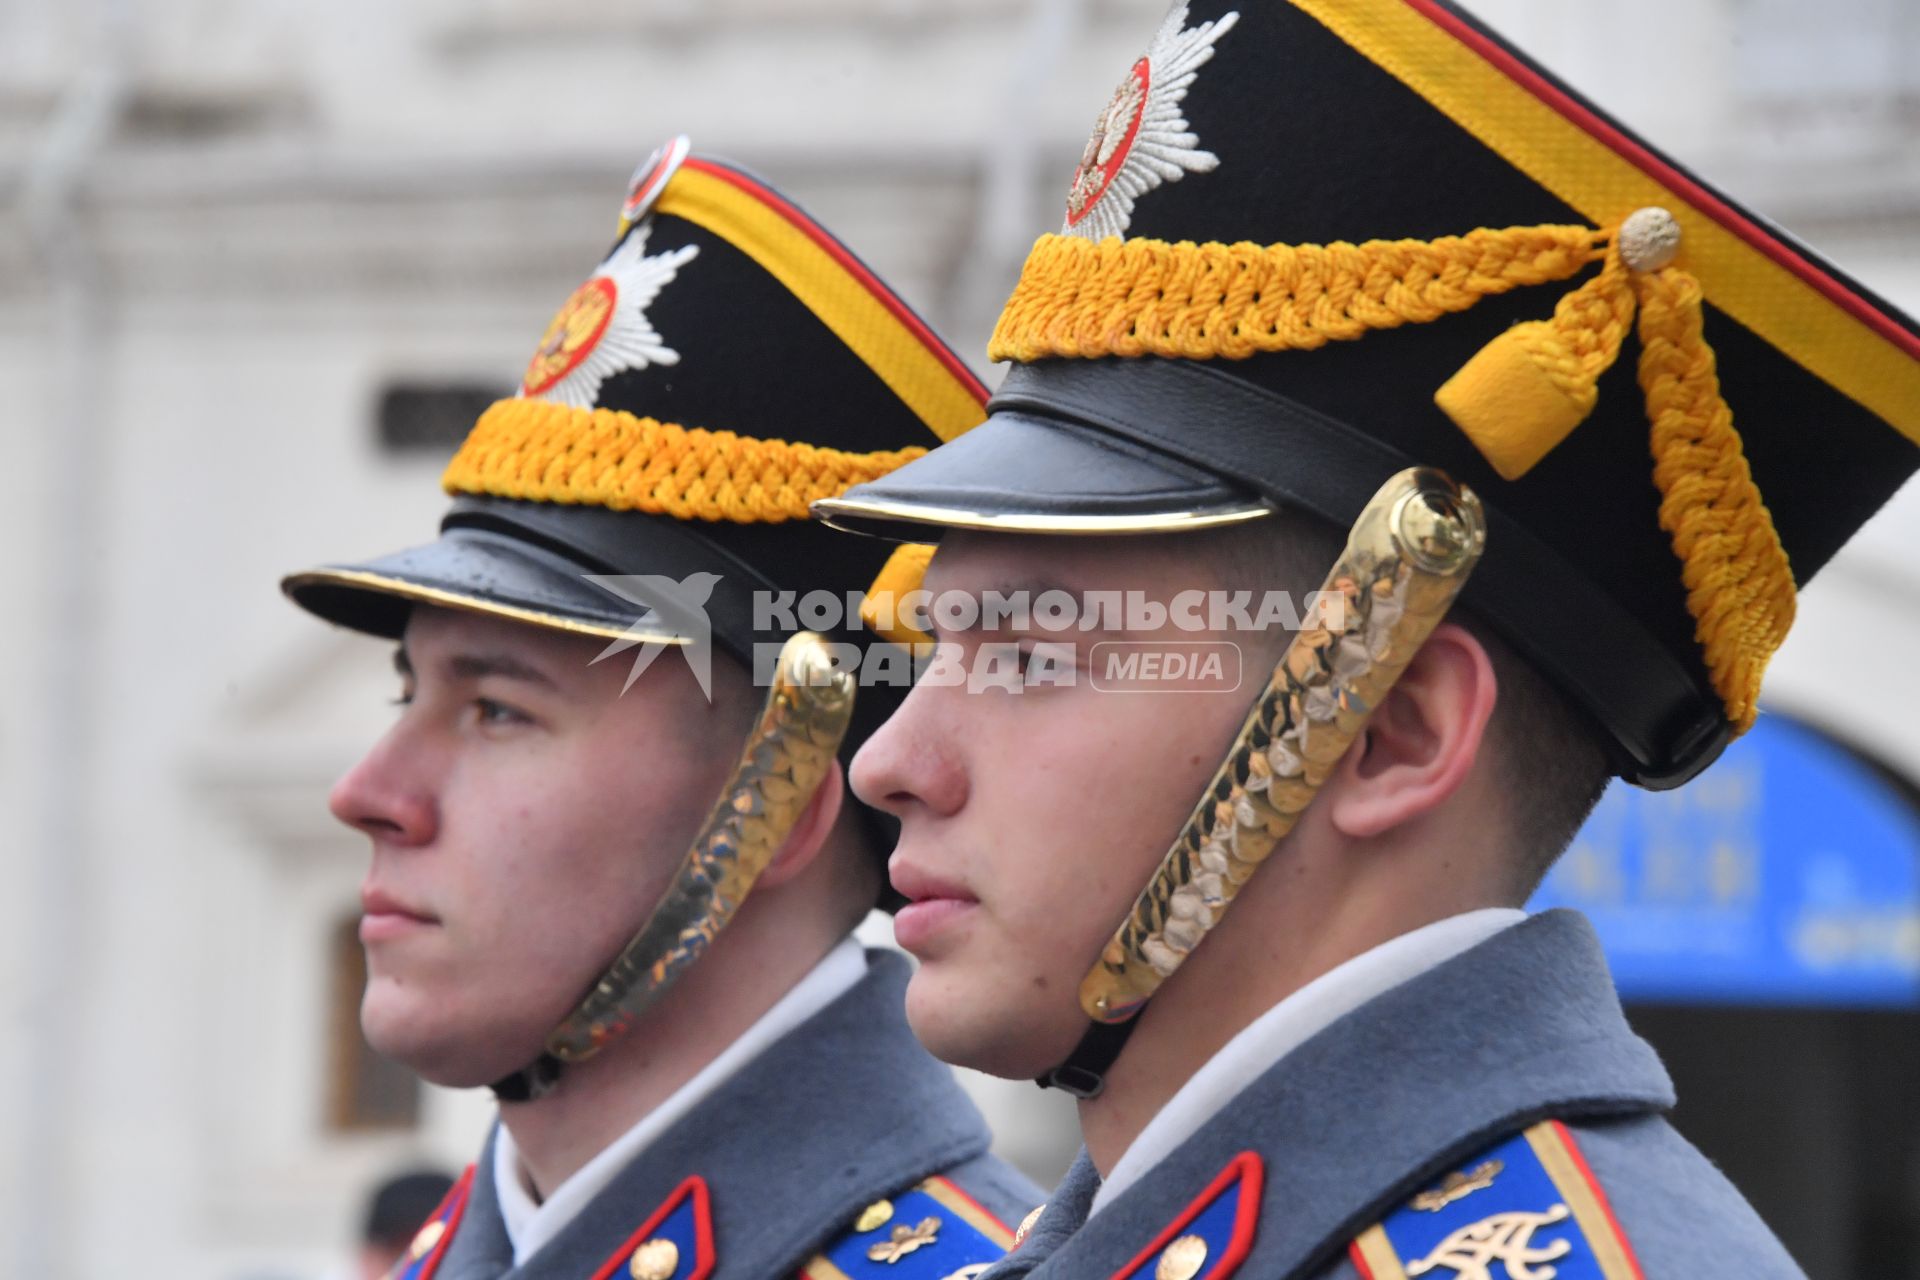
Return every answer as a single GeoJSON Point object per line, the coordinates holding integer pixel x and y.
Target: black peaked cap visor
{"type": "Point", "coordinates": [770, 337]}
{"type": "Point", "coordinates": [530, 562]}
{"type": "Point", "coordinates": [1264, 453]}
{"type": "Point", "coordinates": [1090, 482]}
{"type": "Point", "coordinates": [1580, 575]}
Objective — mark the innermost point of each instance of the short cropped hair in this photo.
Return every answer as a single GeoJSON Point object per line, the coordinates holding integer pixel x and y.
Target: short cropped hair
{"type": "Point", "coordinates": [1550, 755]}
{"type": "Point", "coordinates": [398, 1207]}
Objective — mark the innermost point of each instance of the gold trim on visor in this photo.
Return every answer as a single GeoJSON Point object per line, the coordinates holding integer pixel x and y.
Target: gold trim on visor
{"type": "Point", "coordinates": [384, 585]}
{"type": "Point", "coordinates": [836, 512]}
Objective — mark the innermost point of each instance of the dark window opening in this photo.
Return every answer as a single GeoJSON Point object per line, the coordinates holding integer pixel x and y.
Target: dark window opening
{"type": "Point", "coordinates": [431, 417]}
{"type": "Point", "coordinates": [365, 1092]}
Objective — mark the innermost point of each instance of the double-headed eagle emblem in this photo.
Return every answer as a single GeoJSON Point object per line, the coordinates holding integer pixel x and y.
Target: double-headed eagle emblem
{"type": "Point", "coordinates": [1142, 139]}
{"type": "Point", "coordinates": [603, 328]}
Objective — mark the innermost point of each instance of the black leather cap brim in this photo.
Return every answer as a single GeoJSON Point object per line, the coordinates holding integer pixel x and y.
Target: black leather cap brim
{"type": "Point", "coordinates": [1021, 472]}
{"type": "Point", "coordinates": [474, 570]}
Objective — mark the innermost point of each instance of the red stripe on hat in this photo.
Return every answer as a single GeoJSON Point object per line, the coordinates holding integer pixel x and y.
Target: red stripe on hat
{"type": "Point", "coordinates": [1660, 171]}
{"type": "Point", "coordinates": [854, 267]}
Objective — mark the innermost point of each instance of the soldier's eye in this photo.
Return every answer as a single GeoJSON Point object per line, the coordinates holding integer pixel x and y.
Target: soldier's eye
{"type": "Point", "coordinates": [498, 713]}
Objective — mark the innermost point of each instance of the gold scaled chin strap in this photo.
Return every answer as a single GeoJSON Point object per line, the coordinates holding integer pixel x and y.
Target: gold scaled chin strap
{"type": "Point", "coordinates": [540, 451]}
{"type": "Point", "coordinates": [1405, 561]}
{"type": "Point", "coordinates": [785, 761]}
{"type": "Point", "coordinates": [1516, 400]}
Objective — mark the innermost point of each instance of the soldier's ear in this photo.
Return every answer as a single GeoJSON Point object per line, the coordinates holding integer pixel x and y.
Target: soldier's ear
{"type": "Point", "coordinates": [810, 831]}
{"type": "Point", "coordinates": [1422, 741]}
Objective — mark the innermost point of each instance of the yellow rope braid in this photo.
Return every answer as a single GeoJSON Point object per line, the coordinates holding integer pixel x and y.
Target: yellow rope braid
{"type": "Point", "coordinates": [544, 452]}
{"type": "Point", "coordinates": [882, 610]}
{"type": "Point", "coordinates": [1192, 301]}
{"type": "Point", "coordinates": [1520, 396]}
{"type": "Point", "coordinates": [1739, 584]}
{"type": "Point", "coordinates": [1517, 399]}
{"type": "Point", "coordinates": [1534, 383]}
{"type": "Point", "coordinates": [1583, 338]}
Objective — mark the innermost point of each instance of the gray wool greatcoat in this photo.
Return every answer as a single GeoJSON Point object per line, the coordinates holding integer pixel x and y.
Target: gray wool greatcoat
{"type": "Point", "coordinates": [1495, 1116]}
{"type": "Point", "coordinates": [839, 1138]}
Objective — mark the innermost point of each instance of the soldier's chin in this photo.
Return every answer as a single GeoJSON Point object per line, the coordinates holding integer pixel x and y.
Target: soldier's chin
{"type": "Point", "coordinates": [438, 1048]}
{"type": "Point", "coordinates": [1006, 1034]}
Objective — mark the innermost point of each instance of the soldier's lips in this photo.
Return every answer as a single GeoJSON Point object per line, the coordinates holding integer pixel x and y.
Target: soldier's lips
{"type": "Point", "coordinates": [384, 917]}
{"type": "Point", "coordinates": [933, 905]}
{"type": "Point", "coordinates": [916, 925]}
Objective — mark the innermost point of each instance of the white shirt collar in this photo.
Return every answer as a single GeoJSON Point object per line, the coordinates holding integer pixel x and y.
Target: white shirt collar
{"type": "Point", "coordinates": [529, 1225]}
{"type": "Point", "coordinates": [1290, 1024]}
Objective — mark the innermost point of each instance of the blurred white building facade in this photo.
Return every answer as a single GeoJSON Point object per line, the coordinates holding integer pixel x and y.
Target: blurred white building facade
{"type": "Point", "coordinates": [230, 233]}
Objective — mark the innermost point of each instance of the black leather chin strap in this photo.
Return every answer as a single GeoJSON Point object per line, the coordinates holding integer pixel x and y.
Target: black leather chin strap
{"type": "Point", "coordinates": [535, 1080]}
{"type": "Point", "coordinates": [1084, 1073]}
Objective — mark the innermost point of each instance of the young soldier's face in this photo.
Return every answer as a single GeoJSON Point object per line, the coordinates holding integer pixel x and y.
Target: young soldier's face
{"type": "Point", "coordinates": [524, 817]}
{"type": "Point", "coordinates": [1031, 819]}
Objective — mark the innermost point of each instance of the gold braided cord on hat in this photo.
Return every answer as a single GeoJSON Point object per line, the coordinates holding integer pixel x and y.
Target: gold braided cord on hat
{"type": "Point", "coordinates": [1194, 301]}
{"type": "Point", "coordinates": [1739, 584]}
{"type": "Point", "coordinates": [540, 451]}
{"type": "Point", "coordinates": [1516, 399]}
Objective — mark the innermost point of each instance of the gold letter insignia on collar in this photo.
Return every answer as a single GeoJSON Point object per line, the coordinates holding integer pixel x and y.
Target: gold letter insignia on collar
{"type": "Point", "coordinates": [934, 1229]}
{"type": "Point", "coordinates": [1529, 1205]}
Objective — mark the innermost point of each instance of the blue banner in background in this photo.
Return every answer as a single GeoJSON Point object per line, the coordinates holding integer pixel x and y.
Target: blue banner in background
{"type": "Point", "coordinates": [1788, 873]}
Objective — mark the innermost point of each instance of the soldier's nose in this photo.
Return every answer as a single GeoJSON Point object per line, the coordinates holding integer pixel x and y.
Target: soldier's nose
{"type": "Point", "coordinates": [380, 800]}
{"type": "Point", "coordinates": [902, 767]}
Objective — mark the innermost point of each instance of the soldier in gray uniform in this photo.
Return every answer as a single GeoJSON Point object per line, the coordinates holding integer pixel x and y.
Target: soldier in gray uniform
{"type": "Point", "coordinates": [1351, 296]}
{"type": "Point", "coordinates": [614, 866]}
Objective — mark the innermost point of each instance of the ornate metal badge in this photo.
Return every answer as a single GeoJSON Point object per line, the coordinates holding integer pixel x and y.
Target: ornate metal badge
{"type": "Point", "coordinates": [905, 1240]}
{"type": "Point", "coordinates": [1505, 1238]}
{"type": "Point", "coordinates": [1141, 139]}
{"type": "Point", "coordinates": [1456, 1186]}
{"type": "Point", "coordinates": [603, 328]}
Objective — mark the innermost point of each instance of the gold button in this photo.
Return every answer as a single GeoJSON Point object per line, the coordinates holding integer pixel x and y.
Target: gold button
{"type": "Point", "coordinates": [874, 1216]}
{"type": "Point", "coordinates": [1026, 1225]}
{"type": "Point", "coordinates": [429, 1236]}
{"type": "Point", "coordinates": [1182, 1259]}
{"type": "Point", "coordinates": [657, 1259]}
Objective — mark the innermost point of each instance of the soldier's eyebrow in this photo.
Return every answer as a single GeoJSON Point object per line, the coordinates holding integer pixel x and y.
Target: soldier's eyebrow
{"type": "Point", "coordinates": [1032, 587]}
{"type": "Point", "coordinates": [1028, 589]}
{"type": "Point", "coordinates": [1094, 612]}
{"type": "Point", "coordinates": [478, 666]}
